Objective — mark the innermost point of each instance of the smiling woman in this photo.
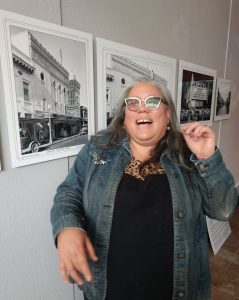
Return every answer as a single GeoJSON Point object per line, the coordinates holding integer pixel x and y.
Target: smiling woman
{"type": "Point", "coordinates": [139, 192]}
{"type": "Point", "coordinates": [145, 126]}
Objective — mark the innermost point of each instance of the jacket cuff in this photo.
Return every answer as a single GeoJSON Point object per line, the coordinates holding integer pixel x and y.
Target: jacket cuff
{"type": "Point", "coordinates": [209, 165]}
{"type": "Point", "coordinates": [68, 221]}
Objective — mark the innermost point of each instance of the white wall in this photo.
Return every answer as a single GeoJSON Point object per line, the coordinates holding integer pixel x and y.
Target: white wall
{"type": "Point", "coordinates": [192, 30]}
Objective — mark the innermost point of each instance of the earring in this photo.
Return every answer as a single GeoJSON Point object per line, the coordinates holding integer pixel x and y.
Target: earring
{"type": "Point", "coordinates": [168, 127]}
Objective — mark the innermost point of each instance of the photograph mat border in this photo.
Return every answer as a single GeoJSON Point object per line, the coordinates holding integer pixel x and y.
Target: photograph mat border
{"type": "Point", "coordinates": [8, 19]}
{"type": "Point", "coordinates": [104, 47]}
{"type": "Point", "coordinates": [184, 65]}
{"type": "Point", "coordinates": [227, 116]}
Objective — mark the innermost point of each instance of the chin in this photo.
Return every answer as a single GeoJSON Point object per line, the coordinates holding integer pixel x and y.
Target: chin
{"type": "Point", "coordinates": [147, 141]}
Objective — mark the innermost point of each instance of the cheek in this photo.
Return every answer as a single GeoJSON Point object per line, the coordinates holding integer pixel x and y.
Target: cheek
{"type": "Point", "coordinates": [128, 118]}
{"type": "Point", "coordinates": [127, 125]}
{"type": "Point", "coordinates": [163, 117]}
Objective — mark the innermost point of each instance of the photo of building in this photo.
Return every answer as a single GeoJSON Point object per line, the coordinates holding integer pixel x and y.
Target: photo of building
{"type": "Point", "coordinates": [48, 95]}
{"type": "Point", "coordinates": [196, 100]}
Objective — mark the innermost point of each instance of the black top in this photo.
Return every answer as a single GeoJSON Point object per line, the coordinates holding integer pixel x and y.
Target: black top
{"type": "Point", "coordinates": [140, 258]}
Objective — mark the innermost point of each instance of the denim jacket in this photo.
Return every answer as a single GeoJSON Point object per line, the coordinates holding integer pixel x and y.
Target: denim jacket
{"type": "Point", "coordinates": [86, 200]}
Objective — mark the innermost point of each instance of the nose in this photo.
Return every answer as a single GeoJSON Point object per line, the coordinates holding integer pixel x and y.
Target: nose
{"type": "Point", "coordinates": [142, 107]}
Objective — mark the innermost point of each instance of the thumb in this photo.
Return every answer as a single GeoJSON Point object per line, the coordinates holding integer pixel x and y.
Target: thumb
{"type": "Point", "coordinates": [90, 249]}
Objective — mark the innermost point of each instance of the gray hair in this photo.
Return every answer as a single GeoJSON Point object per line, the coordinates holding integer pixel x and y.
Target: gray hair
{"type": "Point", "coordinates": [173, 140]}
{"type": "Point", "coordinates": [165, 94]}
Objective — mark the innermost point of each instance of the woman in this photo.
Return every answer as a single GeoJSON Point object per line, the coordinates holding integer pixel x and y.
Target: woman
{"type": "Point", "coordinates": [129, 219]}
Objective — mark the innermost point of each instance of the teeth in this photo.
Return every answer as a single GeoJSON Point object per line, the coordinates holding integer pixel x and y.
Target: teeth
{"type": "Point", "coordinates": [143, 121]}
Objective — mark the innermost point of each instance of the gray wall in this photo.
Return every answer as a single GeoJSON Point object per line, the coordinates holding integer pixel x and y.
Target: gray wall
{"type": "Point", "coordinates": [192, 30]}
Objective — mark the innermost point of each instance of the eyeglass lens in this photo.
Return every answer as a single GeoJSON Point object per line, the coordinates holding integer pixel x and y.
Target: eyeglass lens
{"type": "Point", "coordinates": [150, 103]}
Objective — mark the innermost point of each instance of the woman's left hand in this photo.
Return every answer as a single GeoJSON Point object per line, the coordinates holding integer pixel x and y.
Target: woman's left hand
{"type": "Point", "coordinates": [200, 139]}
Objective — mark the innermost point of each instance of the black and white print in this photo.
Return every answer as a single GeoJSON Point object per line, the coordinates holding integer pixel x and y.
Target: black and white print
{"type": "Point", "coordinates": [223, 99]}
{"type": "Point", "coordinates": [118, 65]}
{"type": "Point", "coordinates": [51, 88]}
{"type": "Point", "coordinates": [196, 90]}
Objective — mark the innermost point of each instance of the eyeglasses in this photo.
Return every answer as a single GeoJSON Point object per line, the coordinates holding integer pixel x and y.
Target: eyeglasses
{"type": "Point", "coordinates": [151, 103]}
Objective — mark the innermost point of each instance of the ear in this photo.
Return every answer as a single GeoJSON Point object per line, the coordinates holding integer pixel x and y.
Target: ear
{"type": "Point", "coordinates": [168, 114]}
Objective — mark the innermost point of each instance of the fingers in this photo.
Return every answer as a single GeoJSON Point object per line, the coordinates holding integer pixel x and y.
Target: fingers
{"type": "Point", "coordinates": [90, 249]}
{"type": "Point", "coordinates": [76, 266]}
{"type": "Point", "coordinates": [81, 264]}
{"type": "Point", "coordinates": [200, 139]}
{"type": "Point", "coordinates": [197, 130]}
{"type": "Point", "coordinates": [74, 249]}
{"type": "Point", "coordinates": [69, 272]}
{"type": "Point", "coordinates": [63, 271]}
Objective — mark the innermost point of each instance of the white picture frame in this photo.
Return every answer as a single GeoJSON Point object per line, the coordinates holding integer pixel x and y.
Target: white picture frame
{"type": "Point", "coordinates": [196, 93]}
{"type": "Point", "coordinates": [119, 64]}
{"type": "Point", "coordinates": [47, 73]}
{"type": "Point", "coordinates": [223, 99]}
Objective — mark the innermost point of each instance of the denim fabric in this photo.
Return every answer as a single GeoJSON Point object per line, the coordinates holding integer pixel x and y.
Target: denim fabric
{"type": "Point", "coordinates": [86, 200]}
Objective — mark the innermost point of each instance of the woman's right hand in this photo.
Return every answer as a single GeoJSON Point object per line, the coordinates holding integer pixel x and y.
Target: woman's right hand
{"type": "Point", "coordinates": [74, 249]}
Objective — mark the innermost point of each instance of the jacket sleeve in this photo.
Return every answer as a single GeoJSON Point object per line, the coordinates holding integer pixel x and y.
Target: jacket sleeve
{"type": "Point", "coordinates": [67, 209]}
{"type": "Point", "coordinates": [217, 185]}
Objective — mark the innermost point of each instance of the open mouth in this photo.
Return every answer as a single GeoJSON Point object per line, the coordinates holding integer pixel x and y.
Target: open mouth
{"type": "Point", "coordinates": [143, 122]}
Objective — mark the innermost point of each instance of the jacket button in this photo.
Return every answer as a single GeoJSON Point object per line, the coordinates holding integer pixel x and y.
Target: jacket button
{"type": "Point", "coordinates": [181, 294]}
{"type": "Point", "coordinates": [201, 167]}
{"type": "Point", "coordinates": [180, 215]}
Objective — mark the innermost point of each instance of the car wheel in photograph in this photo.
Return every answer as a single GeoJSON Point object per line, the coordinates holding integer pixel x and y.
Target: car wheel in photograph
{"type": "Point", "coordinates": [34, 147]}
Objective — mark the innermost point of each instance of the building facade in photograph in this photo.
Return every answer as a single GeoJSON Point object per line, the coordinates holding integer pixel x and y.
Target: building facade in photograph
{"type": "Point", "coordinates": [120, 71]}
{"type": "Point", "coordinates": [195, 100]}
{"type": "Point", "coordinates": [197, 95]}
{"type": "Point", "coordinates": [48, 97]}
{"type": "Point", "coordinates": [223, 103]}
{"type": "Point", "coordinates": [43, 89]}
{"type": "Point", "coordinates": [73, 107]}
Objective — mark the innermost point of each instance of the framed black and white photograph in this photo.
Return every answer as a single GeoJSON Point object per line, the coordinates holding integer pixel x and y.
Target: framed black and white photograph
{"type": "Point", "coordinates": [118, 65]}
{"type": "Point", "coordinates": [196, 93]}
{"type": "Point", "coordinates": [47, 73]}
{"type": "Point", "coordinates": [223, 99]}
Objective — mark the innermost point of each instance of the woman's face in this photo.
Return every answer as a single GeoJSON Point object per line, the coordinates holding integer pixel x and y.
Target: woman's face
{"type": "Point", "coordinates": [146, 127]}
